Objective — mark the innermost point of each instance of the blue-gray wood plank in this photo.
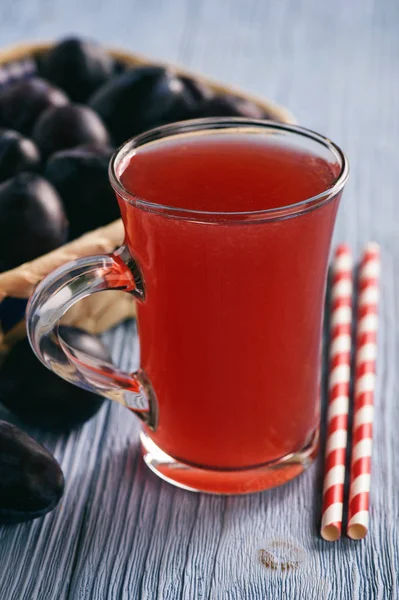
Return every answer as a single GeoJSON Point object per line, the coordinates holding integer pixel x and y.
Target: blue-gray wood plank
{"type": "Point", "coordinates": [119, 532]}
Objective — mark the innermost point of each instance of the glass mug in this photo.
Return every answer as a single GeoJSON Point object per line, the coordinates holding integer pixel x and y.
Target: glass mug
{"type": "Point", "coordinates": [228, 226]}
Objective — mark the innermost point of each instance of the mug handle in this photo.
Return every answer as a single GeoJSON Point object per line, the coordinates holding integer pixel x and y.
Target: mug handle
{"type": "Point", "coordinates": [51, 299]}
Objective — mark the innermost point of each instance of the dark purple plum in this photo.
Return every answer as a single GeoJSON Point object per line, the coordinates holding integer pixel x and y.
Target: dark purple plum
{"type": "Point", "coordinates": [68, 126]}
{"type": "Point", "coordinates": [31, 480]}
{"type": "Point", "coordinates": [231, 106]}
{"type": "Point", "coordinates": [119, 67]}
{"type": "Point", "coordinates": [17, 154]}
{"type": "Point", "coordinates": [39, 396]}
{"type": "Point", "coordinates": [80, 176]}
{"type": "Point", "coordinates": [32, 219]}
{"type": "Point", "coordinates": [22, 102]}
{"type": "Point", "coordinates": [77, 66]}
{"type": "Point", "coordinates": [196, 91]}
{"type": "Point", "coordinates": [143, 98]}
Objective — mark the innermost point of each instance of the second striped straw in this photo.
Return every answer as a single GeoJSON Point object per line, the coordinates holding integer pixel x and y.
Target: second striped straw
{"type": "Point", "coordinates": [365, 377]}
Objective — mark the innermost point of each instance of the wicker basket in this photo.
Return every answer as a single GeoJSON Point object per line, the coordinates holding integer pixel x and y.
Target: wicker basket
{"type": "Point", "coordinates": [101, 311]}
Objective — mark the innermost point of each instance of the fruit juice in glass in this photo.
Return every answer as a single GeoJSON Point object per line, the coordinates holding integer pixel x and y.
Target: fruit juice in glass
{"type": "Point", "coordinates": [230, 331]}
{"type": "Point", "coordinates": [228, 225]}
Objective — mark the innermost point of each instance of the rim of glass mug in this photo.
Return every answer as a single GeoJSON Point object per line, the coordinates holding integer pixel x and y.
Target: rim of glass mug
{"type": "Point", "coordinates": [125, 151]}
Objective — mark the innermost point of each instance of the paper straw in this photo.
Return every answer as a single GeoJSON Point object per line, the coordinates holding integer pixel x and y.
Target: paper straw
{"type": "Point", "coordinates": [338, 395]}
{"type": "Point", "coordinates": [366, 353]}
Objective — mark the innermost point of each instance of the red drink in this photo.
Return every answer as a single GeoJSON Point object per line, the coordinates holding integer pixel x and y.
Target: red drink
{"type": "Point", "coordinates": [228, 226]}
{"type": "Point", "coordinates": [231, 325]}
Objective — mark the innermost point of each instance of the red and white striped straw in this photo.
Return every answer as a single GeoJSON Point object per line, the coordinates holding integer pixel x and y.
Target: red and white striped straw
{"type": "Point", "coordinates": [338, 395]}
{"type": "Point", "coordinates": [365, 377]}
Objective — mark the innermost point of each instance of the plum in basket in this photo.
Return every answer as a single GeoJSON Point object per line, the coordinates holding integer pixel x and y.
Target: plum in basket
{"type": "Point", "coordinates": [196, 91]}
{"type": "Point", "coordinates": [68, 126]}
{"type": "Point", "coordinates": [32, 219]}
{"type": "Point", "coordinates": [17, 154]}
{"type": "Point", "coordinates": [31, 480]}
{"type": "Point", "coordinates": [22, 102]}
{"type": "Point", "coordinates": [39, 396]}
{"type": "Point", "coordinates": [143, 98]}
{"type": "Point", "coordinates": [80, 176]}
{"type": "Point", "coordinates": [231, 106]}
{"type": "Point", "coordinates": [77, 66]}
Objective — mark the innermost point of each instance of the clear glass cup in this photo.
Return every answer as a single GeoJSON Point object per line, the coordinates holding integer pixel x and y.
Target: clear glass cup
{"type": "Point", "coordinates": [230, 308]}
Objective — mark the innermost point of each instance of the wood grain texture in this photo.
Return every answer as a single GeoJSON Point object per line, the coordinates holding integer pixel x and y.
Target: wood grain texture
{"type": "Point", "coordinates": [122, 534]}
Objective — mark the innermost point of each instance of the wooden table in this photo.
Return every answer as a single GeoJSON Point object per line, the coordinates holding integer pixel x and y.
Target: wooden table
{"type": "Point", "coordinates": [119, 532]}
